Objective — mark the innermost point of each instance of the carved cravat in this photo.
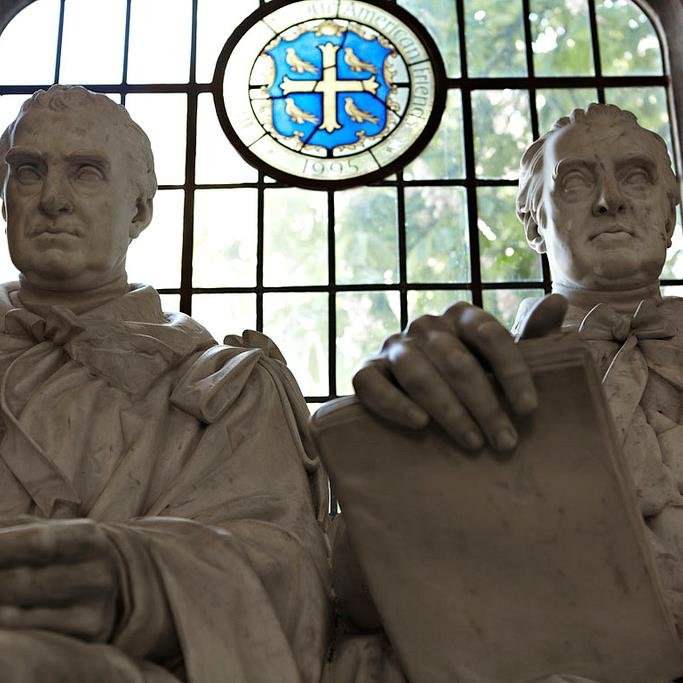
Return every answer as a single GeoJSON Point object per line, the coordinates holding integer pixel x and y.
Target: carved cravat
{"type": "Point", "coordinates": [647, 322]}
{"type": "Point", "coordinates": [127, 354]}
{"type": "Point", "coordinates": [646, 344]}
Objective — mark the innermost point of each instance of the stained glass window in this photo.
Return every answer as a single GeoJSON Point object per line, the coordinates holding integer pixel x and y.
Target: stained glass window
{"type": "Point", "coordinates": [329, 274]}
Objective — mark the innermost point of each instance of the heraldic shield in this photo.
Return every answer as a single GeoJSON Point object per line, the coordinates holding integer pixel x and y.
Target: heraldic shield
{"type": "Point", "coordinates": [331, 87]}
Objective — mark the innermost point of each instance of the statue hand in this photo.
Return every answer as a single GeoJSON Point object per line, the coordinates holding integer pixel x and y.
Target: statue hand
{"type": "Point", "coordinates": [436, 368]}
{"type": "Point", "coordinates": [58, 576]}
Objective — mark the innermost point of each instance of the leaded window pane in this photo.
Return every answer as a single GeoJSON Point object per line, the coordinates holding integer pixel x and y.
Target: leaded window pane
{"type": "Point", "coordinates": [216, 160]}
{"type": "Point", "coordinates": [444, 156]}
{"type": "Point", "coordinates": [216, 19]}
{"type": "Point", "coordinates": [628, 41]}
{"type": "Point", "coordinates": [364, 319]}
{"type": "Point", "coordinates": [155, 256]}
{"type": "Point", "coordinates": [561, 38]}
{"type": "Point", "coordinates": [502, 130]}
{"type": "Point", "coordinates": [298, 322]}
{"type": "Point", "coordinates": [505, 254]}
{"type": "Point", "coordinates": [159, 50]}
{"type": "Point", "coordinates": [36, 25]}
{"type": "Point", "coordinates": [93, 41]}
{"type": "Point", "coordinates": [224, 314]}
{"type": "Point", "coordinates": [494, 30]}
{"type": "Point", "coordinates": [163, 117]}
{"type": "Point", "coordinates": [366, 236]}
{"type": "Point", "coordinates": [295, 238]}
{"type": "Point", "coordinates": [439, 16]}
{"type": "Point", "coordinates": [436, 234]}
{"type": "Point", "coordinates": [434, 301]}
{"type": "Point", "coordinates": [225, 236]}
{"type": "Point", "coordinates": [554, 103]}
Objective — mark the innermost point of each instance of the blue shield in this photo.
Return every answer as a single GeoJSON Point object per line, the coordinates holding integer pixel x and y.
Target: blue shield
{"type": "Point", "coordinates": [329, 90]}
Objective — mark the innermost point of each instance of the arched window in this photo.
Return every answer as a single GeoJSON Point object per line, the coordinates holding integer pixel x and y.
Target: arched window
{"type": "Point", "coordinates": [328, 275]}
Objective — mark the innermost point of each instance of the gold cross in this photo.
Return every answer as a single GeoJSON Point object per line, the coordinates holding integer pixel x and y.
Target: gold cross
{"type": "Point", "coordinates": [329, 86]}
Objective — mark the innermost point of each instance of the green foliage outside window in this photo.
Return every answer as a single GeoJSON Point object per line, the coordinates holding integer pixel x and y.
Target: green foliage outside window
{"type": "Point", "coordinates": [432, 200]}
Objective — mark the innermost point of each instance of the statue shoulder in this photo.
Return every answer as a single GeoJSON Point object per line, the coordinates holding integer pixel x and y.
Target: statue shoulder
{"type": "Point", "coordinates": [216, 377]}
{"type": "Point", "coordinates": [252, 339]}
{"type": "Point", "coordinates": [672, 309]}
{"type": "Point", "coordinates": [525, 309]}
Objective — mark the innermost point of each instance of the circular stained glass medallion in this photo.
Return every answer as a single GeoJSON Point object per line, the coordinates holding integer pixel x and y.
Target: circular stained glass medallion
{"type": "Point", "coordinates": [328, 94]}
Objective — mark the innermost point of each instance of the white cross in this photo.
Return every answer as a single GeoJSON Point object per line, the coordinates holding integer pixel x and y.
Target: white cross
{"type": "Point", "coordinates": [329, 86]}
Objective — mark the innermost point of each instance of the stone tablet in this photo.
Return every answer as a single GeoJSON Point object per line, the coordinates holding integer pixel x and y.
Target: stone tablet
{"type": "Point", "coordinates": [503, 568]}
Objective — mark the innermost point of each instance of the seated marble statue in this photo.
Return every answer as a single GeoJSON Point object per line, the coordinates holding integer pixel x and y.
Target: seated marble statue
{"type": "Point", "coordinates": [597, 195]}
{"type": "Point", "coordinates": [159, 503]}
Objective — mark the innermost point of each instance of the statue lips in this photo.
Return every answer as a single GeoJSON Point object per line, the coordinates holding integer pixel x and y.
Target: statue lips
{"type": "Point", "coordinates": [54, 230]}
{"type": "Point", "coordinates": [613, 233]}
{"type": "Point", "coordinates": [63, 238]}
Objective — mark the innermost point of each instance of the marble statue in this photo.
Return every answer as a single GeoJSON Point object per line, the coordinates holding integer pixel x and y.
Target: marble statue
{"type": "Point", "coordinates": [597, 194]}
{"type": "Point", "coordinates": [160, 504]}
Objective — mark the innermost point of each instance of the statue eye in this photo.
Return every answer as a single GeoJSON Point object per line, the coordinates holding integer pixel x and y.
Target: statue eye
{"type": "Point", "coordinates": [637, 176]}
{"type": "Point", "coordinates": [89, 174]}
{"type": "Point", "coordinates": [576, 181]}
{"type": "Point", "coordinates": [27, 173]}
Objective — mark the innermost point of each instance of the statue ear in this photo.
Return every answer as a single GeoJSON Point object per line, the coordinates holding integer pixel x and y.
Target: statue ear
{"type": "Point", "coordinates": [533, 234]}
{"type": "Point", "coordinates": [670, 226]}
{"type": "Point", "coordinates": [142, 218]}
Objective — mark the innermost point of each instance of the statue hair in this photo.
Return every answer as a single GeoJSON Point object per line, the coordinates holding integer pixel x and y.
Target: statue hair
{"type": "Point", "coordinates": [530, 192]}
{"type": "Point", "coordinates": [60, 98]}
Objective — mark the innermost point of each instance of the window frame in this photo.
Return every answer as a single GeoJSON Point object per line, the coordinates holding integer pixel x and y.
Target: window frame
{"type": "Point", "coordinates": [666, 17]}
{"type": "Point", "coordinates": [667, 20]}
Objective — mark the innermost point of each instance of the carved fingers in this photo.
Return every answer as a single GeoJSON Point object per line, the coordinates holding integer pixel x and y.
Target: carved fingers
{"type": "Point", "coordinates": [83, 621]}
{"type": "Point", "coordinates": [58, 576]}
{"type": "Point", "coordinates": [437, 369]}
{"type": "Point", "coordinates": [492, 343]}
{"type": "Point", "coordinates": [374, 385]}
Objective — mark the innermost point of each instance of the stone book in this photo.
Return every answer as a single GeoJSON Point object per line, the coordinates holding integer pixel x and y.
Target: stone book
{"type": "Point", "coordinates": [503, 568]}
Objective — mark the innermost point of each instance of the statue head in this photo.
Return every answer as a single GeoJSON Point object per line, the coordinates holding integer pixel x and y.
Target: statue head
{"type": "Point", "coordinates": [77, 188]}
{"type": "Point", "coordinates": [598, 195]}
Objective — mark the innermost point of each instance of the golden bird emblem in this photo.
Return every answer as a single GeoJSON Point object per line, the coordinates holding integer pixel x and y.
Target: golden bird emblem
{"type": "Point", "coordinates": [298, 115]}
{"type": "Point", "coordinates": [299, 65]}
{"type": "Point", "coordinates": [357, 114]}
{"type": "Point", "coordinates": [356, 63]}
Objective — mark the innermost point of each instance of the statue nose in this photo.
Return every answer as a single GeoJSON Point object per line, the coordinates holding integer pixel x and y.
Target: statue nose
{"type": "Point", "coordinates": [56, 197]}
{"type": "Point", "coordinates": [610, 200]}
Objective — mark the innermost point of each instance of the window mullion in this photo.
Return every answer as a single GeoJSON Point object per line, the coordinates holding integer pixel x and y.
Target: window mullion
{"type": "Point", "coordinates": [190, 164]}
{"type": "Point", "coordinates": [597, 63]}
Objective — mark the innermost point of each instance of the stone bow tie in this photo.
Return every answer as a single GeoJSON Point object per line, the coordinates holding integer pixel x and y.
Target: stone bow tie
{"type": "Point", "coordinates": [627, 375]}
{"type": "Point", "coordinates": [603, 323]}
{"type": "Point", "coordinates": [127, 354]}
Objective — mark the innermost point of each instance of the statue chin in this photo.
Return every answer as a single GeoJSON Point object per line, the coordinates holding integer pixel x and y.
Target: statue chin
{"type": "Point", "coordinates": [611, 272]}
{"type": "Point", "coordinates": [617, 274]}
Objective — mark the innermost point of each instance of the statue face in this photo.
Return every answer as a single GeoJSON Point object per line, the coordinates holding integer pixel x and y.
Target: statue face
{"type": "Point", "coordinates": [69, 204]}
{"type": "Point", "coordinates": [605, 211]}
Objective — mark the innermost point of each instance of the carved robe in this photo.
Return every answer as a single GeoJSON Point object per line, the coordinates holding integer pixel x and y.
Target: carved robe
{"type": "Point", "coordinates": [193, 458]}
{"type": "Point", "coordinates": [640, 358]}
